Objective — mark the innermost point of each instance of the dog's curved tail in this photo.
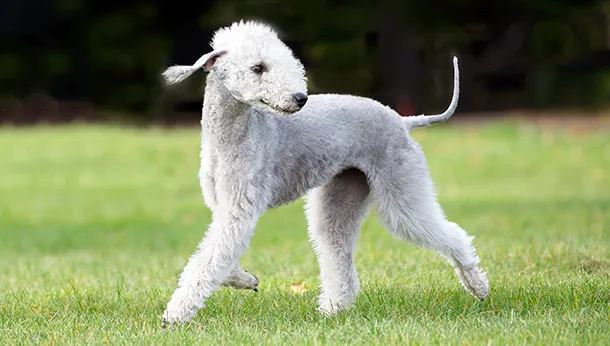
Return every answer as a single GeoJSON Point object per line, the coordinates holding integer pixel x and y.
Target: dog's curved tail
{"type": "Point", "coordinates": [427, 120]}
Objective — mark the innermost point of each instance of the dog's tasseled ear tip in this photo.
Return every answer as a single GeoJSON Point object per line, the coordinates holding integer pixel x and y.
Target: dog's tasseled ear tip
{"type": "Point", "coordinates": [169, 75]}
{"type": "Point", "coordinates": [176, 74]}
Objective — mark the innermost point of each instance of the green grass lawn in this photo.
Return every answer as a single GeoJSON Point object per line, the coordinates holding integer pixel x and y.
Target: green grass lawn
{"type": "Point", "coordinates": [96, 223]}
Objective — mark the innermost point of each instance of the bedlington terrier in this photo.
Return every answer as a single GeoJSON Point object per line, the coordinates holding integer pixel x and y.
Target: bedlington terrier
{"type": "Point", "coordinates": [265, 143]}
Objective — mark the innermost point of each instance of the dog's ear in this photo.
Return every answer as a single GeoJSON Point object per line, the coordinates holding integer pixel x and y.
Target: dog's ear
{"type": "Point", "coordinates": [176, 74]}
{"type": "Point", "coordinates": [210, 59]}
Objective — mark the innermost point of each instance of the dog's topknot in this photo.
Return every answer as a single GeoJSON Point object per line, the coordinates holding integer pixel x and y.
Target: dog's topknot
{"type": "Point", "coordinates": [242, 32]}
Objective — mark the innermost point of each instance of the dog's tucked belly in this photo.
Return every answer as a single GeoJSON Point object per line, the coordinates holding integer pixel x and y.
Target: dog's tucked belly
{"type": "Point", "coordinates": [298, 181]}
{"type": "Point", "coordinates": [288, 192]}
{"type": "Point", "coordinates": [285, 197]}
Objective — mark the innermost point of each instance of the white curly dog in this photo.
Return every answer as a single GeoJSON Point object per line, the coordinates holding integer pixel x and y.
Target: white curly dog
{"type": "Point", "coordinates": [265, 144]}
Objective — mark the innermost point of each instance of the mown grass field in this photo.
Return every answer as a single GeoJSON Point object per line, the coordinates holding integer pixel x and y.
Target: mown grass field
{"type": "Point", "coordinates": [97, 222]}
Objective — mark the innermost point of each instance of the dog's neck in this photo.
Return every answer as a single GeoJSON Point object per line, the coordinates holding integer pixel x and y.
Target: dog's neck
{"type": "Point", "coordinates": [224, 119]}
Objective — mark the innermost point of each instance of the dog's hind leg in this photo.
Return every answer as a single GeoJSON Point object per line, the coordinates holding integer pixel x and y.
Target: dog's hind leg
{"type": "Point", "coordinates": [407, 205]}
{"type": "Point", "coordinates": [335, 213]}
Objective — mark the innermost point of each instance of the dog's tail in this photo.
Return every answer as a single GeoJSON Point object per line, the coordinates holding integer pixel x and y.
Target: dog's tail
{"type": "Point", "coordinates": [427, 120]}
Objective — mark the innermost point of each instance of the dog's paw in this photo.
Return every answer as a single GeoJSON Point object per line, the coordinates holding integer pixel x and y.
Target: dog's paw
{"type": "Point", "coordinates": [175, 318]}
{"type": "Point", "coordinates": [242, 280]}
{"type": "Point", "coordinates": [179, 312]}
{"type": "Point", "coordinates": [328, 308]}
{"type": "Point", "coordinates": [474, 281]}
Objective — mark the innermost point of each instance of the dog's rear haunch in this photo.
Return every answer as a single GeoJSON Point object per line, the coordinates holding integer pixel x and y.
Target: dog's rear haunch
{"type": "Point", "coordinates": [266, 143]}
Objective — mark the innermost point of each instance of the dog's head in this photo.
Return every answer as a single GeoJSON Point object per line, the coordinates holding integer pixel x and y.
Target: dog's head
{"type": "Point", "coordinates": [255, 66]}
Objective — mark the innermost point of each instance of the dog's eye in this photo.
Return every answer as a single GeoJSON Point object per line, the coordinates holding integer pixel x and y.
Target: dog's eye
{"type": "Point", "coordinates": [258, 68]}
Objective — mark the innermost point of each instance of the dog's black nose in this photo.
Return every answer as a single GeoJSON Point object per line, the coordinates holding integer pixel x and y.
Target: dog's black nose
{"type": "Point", "coordinates": [301, 99]}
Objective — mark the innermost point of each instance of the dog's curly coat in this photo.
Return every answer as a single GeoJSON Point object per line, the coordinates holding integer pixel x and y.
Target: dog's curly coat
{"type": "Point", "coordinates": [348, 152]}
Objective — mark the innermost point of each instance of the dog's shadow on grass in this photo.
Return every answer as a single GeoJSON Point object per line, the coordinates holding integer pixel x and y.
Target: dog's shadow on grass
{"type": "Point", "coordinates": [406, 305]}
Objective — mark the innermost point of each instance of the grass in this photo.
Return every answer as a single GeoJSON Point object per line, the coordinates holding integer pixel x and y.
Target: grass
{"type": "Point", "coordinates": [97, 222]}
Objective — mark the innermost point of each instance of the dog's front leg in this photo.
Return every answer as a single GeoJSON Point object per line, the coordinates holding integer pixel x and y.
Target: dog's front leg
{"type": "Point", "coordinates": [206, 177]}
{"type": "Point", "coordinates": [241, 279]}
{"type": "Point", "coordinates": [225, 241]}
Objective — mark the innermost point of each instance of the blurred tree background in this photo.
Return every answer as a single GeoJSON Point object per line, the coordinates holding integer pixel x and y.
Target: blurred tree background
{"type": "Point", "coordinates": [513, 53]}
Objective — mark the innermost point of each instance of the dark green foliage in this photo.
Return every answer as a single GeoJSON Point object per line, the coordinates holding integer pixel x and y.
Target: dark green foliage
{"type": "Point", "coordinates": [112, 54]}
